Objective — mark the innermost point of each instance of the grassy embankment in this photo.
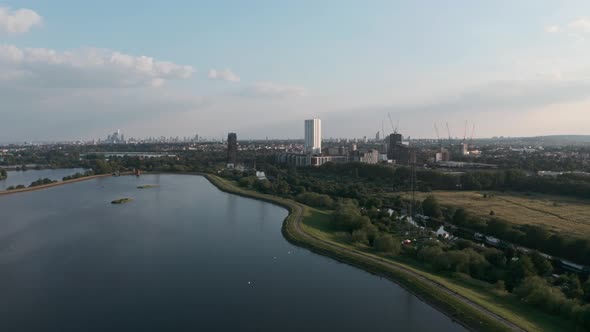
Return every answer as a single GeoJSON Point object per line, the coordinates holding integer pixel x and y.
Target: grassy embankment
{"type": "Point", "coordinates": [558, 214]}
{"type": "Point", "coordinates": [504, 304]}
{"type": "Point", "coordinates": [322, 240]}
{"type": "Point", "coordinates": [50, 185]}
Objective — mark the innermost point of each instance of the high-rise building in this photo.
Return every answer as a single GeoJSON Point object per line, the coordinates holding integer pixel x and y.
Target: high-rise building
{"type": "Point", "coordinates": [313, 136]}
{"type": "Point", "coordinates": [396, 150]}
{"type": "Point", "coordinates": [232, 149]}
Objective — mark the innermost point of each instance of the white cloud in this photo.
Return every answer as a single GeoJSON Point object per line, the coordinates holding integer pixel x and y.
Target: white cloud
{"type": "Point", "coordinates": [226, 75]}
{"type": "Point", "coordinates": [86, 67]}
{"type": "Point", "coordinates": [18, 21]}
{"type": "Point", "coordinates": [552, 28]}
{"type": "Point", "coordinates": [581, 25]}
{"type": "Point", "coordinates": [274, 90]}
{"type": "Point", "coordinates": [576, 30]}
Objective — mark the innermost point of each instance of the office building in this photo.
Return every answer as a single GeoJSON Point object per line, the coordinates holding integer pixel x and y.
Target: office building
{"type": "Point", "coordinates": [396, 150]}
{"type": "Point", "coordinates": [313, 136]}
{"type": "Point", "coordinates": [232, 149]}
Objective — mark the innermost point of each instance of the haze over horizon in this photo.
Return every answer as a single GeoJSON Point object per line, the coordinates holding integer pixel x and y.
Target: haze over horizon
{"type": "Point", "coordinates": [71, 70]}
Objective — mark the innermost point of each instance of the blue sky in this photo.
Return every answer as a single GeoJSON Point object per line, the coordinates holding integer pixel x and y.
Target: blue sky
{"type": "Point", "coordinates": [260, 67]}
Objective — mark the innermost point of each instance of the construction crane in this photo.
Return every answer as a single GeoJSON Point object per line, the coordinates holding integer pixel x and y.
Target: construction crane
{"type": "Point", "coordinates": [471, 138]}
{"type": "Point", "coordinates": [436, 131]}
{"type": "Point", "coordinates": [449, 131]}
{"type": "Point", "coordinates": [465, 132]}
{"type": "Point", "coordinates": [391, 123]}
{"type": "Point", "coordinates": [383, 128]}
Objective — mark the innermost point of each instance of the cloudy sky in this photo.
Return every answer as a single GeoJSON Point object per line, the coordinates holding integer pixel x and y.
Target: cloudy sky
{"type": "Point", "coordinates": [74, 69]}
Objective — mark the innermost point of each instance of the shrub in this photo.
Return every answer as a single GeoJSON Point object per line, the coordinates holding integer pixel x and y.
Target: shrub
{"type": "Point", "coordinates": [386, 243]}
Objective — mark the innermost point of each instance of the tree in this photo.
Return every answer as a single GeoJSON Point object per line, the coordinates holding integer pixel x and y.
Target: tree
{"type": "Point", "coordinates": [430, 254]}
{"type": "Point", "coordinates": [570, 286]}
{"type": "Point", "coordinates": [103, 167]}
{"type": "Point", "coordinates": [264, 186]}
{"type": "Point", "coordinates": [535, 291]}
{"type": "Point", "coordinates": [282, 187]}
{"type": "Point", "coordinates": [586, 289]}
{"type": "Point", "coordinates": [520, 269]}
{"type": "Point", "coordinates": [431, 207]}
{"type": "Point", "coordinates": [247, 182]}
{"type": "Point", "coordinates": [3, 174]}
{"type": "Point", "coordinates": [460, 217]}
{"type": "Point", "coordinates": [348, 217]}
{"type": "Point", "coordinates": [387, 244]}
{"type": "Point", "coordinates": [360, 236]}
{"type": "Point", "coordinates": [542, 265]}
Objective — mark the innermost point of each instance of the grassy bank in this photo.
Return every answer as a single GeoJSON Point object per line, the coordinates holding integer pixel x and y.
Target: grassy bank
{"type": "Point", "coordinates": [315, 234]}
{"type": "Point", "coordinates": [484, 294]}
{"type": "Point", "coordinates": [54, 184]}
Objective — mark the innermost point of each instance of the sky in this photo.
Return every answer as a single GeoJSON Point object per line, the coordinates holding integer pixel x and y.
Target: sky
{"type": "Point", "coordinates": [80, 70]}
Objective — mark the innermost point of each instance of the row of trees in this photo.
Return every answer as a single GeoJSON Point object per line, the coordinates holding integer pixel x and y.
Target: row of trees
{"type": "Point", "coordinates": [573, 248]}
{"type": "Point", "coordinates": [41, 182]}
{"type": "Point", "coordinates": [77, 175]}
{"type": "Point", "coordinates": [537, 292]}
{"type": "Point", "coordinates": [528, 276]}
{"type": "Point", "coordinates": [398, 178]}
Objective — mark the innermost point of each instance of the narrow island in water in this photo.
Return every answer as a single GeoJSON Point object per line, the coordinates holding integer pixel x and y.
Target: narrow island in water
{"type": "Point", "coordinates": [147, 186]}
{"type": "Point", "coordinates": [122, 200]}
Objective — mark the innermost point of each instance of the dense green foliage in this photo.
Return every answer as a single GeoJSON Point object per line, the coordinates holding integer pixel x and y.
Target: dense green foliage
{"type": "Point", "coordinates": [41, 182]}
{"type": "Point", "coordinates": [78, 175]}
{"type": "Point", "coordinates": [570, 247]}
{"type": "Point", "coordinates": [537, 292]}
{"type": "Point", "coordinates": [20, 186]}
{"type": "Point", "coordinates": [315, 200]}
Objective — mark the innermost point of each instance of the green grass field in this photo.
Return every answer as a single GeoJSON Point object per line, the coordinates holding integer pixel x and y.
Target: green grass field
{"type": "Point", "coordinates": [556, 213]}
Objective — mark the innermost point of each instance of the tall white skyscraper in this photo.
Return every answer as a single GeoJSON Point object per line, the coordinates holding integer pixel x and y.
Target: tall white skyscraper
{"type": "Point", "coordinates": [313, 136]}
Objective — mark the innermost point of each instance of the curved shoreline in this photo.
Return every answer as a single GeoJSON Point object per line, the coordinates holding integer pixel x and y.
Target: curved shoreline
{"type": "Point", "coordinates": [454, 305]}
{"type": "Point", "coordinates": [51, 185]}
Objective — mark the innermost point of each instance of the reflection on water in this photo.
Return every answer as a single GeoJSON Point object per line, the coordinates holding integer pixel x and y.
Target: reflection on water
{"type": "Point", "coordinates": [262, 213]}
{"type": "Point", "coordinates": [232, 209]}
{"type": "Point", "coordinates": [182, 256]}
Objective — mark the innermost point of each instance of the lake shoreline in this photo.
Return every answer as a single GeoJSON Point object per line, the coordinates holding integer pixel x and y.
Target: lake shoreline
{"type": "Point", "coordinates": [453, 305]}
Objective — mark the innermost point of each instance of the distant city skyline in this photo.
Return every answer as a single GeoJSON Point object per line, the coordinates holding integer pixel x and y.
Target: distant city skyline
{"type": "Point", "coordinates": [260, 67]}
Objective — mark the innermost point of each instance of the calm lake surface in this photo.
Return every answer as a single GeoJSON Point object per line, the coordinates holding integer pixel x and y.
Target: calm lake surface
{"type": "Point", "coordinates": [26, 177]}
{"type": "Point", "coordinates": [183, 256]}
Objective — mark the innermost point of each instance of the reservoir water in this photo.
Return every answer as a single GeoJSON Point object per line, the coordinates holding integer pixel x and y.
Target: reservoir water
{"type": "Point", "coordinates": [26, 177]}
{"type": "Point", "coordinates": [182, 256]}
